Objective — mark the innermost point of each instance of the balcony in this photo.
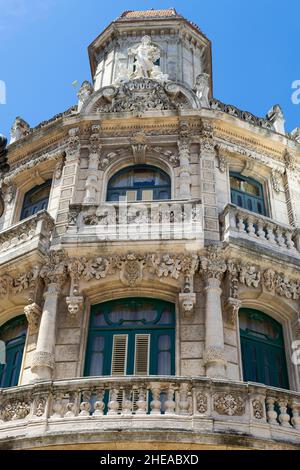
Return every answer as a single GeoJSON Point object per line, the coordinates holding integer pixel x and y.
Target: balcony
{"type": "Point", "coordinates": [155, 220]}
{"type": "Point", "coordinates": [239, 225]}
{"type": "Point", "coordinates": [33, 233]}
{"type": "Point", "coordinates": [196, 409]}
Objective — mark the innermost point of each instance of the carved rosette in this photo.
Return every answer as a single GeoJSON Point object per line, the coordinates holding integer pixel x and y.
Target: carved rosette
{"type": "Point", "coordinates": [33, 314]}
{"type": "Point", "coordinates": [230, 404]}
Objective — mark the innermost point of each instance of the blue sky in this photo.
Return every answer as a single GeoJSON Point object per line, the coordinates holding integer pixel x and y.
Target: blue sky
{"type": "Point", "coordinates": [43, 49]}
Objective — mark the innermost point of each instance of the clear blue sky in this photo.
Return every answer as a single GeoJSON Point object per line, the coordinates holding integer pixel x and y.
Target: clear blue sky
{"type": "Point", "coordinates": [43, 49]}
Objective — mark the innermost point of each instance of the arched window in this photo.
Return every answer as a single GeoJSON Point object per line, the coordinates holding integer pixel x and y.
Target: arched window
{"type": "Point", "coordinates": [134, 336]}
{"type": "Point", "coordinates": [263, 352]}
{"type": "Point", "coordinates": [36, 199]}
{"type": "Point", "coordinates": [139, 183]}
{"type": "Point", "coordinates": [13, 334]}
{"type": "Point", "coordinates": [247, 193]}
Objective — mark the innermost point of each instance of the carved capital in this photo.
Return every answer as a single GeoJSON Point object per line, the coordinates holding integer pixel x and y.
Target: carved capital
{"type": "Point", "coordinates": [33, 314]}
{"type": "Point", "coordinates": [213, 264]}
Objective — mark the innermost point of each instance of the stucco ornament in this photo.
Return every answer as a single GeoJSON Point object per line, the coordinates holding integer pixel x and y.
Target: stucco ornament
{"type": "Point", "coordinates": [145, 55]}
{"type": "Point", "coordinates": [33, 314]}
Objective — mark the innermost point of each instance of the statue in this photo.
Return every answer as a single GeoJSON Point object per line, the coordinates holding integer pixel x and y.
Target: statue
{"type": "Point", "coordinates": [145, 56]}
{"type": "Point", "coordinates": [85, 91]}
{"type": "Point", "coordinates": [19, 129]}
{"type": "Point", "coordinates": [202, 89]}
{"type": "Point", "coordinates": [276, 117]}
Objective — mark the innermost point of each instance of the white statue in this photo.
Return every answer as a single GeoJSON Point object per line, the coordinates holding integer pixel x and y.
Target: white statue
{"type": "Point", "coordinates": [276, 117]}
{"type": "Point", "coordinates": [202, 87]}
{"type": "Point", "coordinates": [145, 55]}
{"type": "Point", "coordinates": [84, 93]}
{"type": "Point", "coordinates": [19, 129]}
{"type": "Point", "coordinates": [296, 134]}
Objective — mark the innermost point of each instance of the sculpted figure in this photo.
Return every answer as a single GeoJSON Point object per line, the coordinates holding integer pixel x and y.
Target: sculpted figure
{"type": "Point", "coordinates": [145, 55]}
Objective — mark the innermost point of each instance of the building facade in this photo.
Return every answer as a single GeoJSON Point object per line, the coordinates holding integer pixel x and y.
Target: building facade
{"type": "Point", "coordinates": [150, 259]}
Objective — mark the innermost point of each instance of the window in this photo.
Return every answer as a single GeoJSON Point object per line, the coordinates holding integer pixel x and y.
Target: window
{"type": "Point", "coordinates": [247, 193]}
{"type": "Point", "coordinates": [13, 333]}
{"type": "Point", "coordinates": [36, 200]}
{"type": "Point", "coordinates": [131, 337]}
{"type": "Point", "coordinates": [139, 183]}
{"type": "Point", "coordinates": [262, 346]}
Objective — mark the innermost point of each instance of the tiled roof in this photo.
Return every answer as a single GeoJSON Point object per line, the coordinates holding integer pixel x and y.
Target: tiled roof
{"type": "Point", "coordinates": [149, 13]}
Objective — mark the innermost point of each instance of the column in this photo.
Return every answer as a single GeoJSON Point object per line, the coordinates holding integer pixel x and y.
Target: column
{"type": "Point", "coordinates": [43, 359]}
{"type": "Point", "coordinates": [213, 268]}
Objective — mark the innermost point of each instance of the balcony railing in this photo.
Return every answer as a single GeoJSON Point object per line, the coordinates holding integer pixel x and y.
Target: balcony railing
{"type": "Point", "coordinates": [200, 405]}
{"type": "Point", "coordinates": [32, 233]}
{"type": "Point", "coordinates": [238, 223]}
{"type": "Point", "coordinates": [155, 220]}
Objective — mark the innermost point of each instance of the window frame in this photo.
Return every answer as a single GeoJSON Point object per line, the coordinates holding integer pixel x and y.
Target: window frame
{"type": "Point", "coordinates": [258, 199]}
{"type": "Point", "coordinates": [139, 188]}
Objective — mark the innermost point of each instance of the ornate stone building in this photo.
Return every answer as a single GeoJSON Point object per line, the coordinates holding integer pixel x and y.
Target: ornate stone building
{"type": "Point", "coordinates": [150, 259]}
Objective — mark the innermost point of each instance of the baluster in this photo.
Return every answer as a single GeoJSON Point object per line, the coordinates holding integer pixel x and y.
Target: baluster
{"type": "Point", "coordinates": [141, 403]}
{"type": "Point", "coordinates": [240, 222]}
{"type": "Point", "coordinates": [279, 237]}
{"type": "Point", "coordinates": [250, 226]}
{"type": "Point", "coordinates": [288, 240]}
{"type": "Point", "coordinates": [284, 417]}
{"type": "Point", "coordinates": [271, 413]}
{"type": "Point", "coordinates": [270, 234]}
{"type": "Point", "coordinates": [113, 405]}
{"type": "Point", "coordinates": [183, 399]}
{"type": "Point", "coordinates": [155, 403]}
{"type": "Point", "coordinates": [85, 405]}
{"type": "Point", "coordinates": [57, 406]}
{"type": "Point", "coordinates": [296, 414]}
{"type": "Point", "coordinates": [70, 406]}
{"type": "Point", "coordinates": [170, 402]}
{"type": "Point", "coordinates": [127, 404]}
{"type": "Point", "coordinates": [260, 229]}
{"type": "Point", "coordinates": [99, 403]}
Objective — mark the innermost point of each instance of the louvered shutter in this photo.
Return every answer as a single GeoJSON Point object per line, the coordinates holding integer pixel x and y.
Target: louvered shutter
{"type": "Point", "coordinates": [119, 355]}
{"type": "Point", "coordinates": [141, 362]}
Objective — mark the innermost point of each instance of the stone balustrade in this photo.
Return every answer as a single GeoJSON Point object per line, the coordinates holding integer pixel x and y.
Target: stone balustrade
{"type": "Point", "coordinates": [239, 223]}
{"type": "Point", "coordinates": [153, 220]}
{"type": "Point", "coordinates": [28, 234]}
{"type": "Point", "coordinates": [104, 404]}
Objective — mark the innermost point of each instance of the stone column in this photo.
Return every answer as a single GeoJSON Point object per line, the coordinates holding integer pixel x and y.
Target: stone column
{"type": "Point", "coordinates": [43, 359]}
{"type": "Point", "coordinates": [213, 268]}
{"type": "Point", "coordinates": [184, 157]}
{"type": "Point", "coordinates": [54, 273]}
{"type": "Point", "coordinates": [91, 184]}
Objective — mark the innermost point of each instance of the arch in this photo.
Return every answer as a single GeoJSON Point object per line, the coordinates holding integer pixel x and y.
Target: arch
{"type": "Point", "coordinates": [13, 334]}
{"type": "Point", "coordinates": [36, 199]}
{"type": "Point", "coordinates": [262, 348]}
{"type": "Point", "coordinates": [131, 336]}
{"type": "Point", "coordinates": [247, 193]}
{"type": "Point", "coordinates": [139, 183]}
